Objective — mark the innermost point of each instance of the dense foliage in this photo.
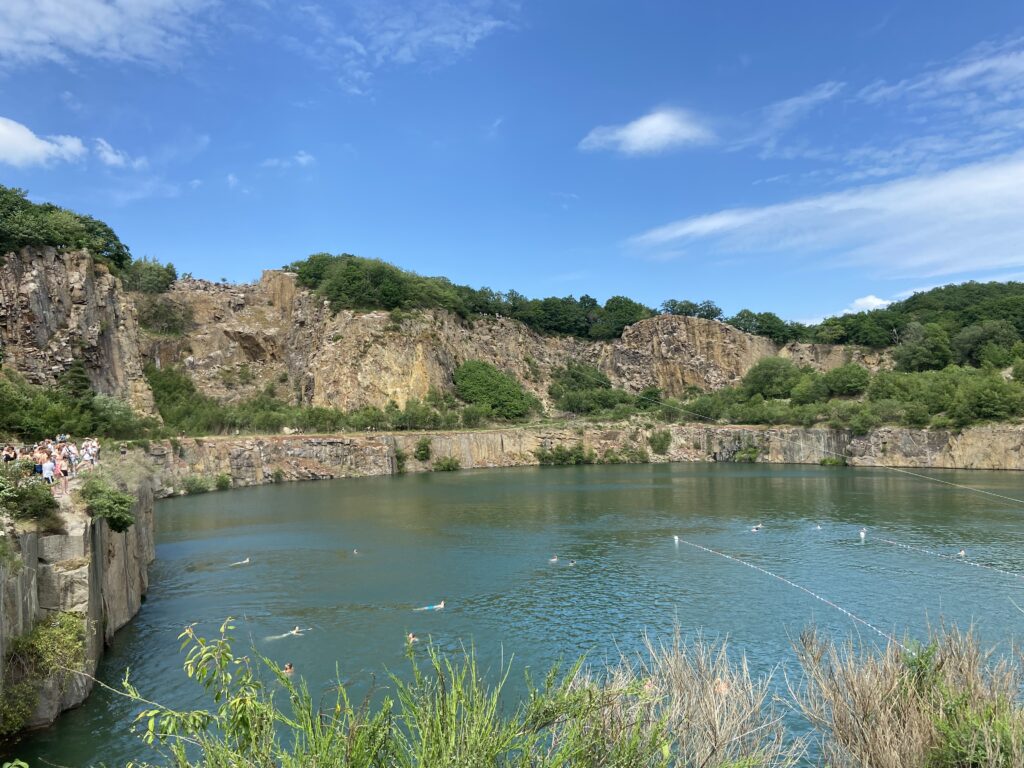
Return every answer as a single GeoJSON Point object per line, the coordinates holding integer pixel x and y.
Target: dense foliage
{"type": "Point", "coordinates": [352, 282]}
{"type": "Point", "coordinates": [479, 383]}
{"type": "Point", "coordinates": [149, 276]}
{"type": "Point", "coordinates": [28, 411]}
{"type": "Point", "coordinates": [24, 223]}
{"type": "Point", "coordinates": [55, 648]}
{"type": "Point", "coordinates": [776, 391]}
{"type": "Point", "coordinates": [103, 500]}
{"type": "Point", "coordinates": [25, 497]}
{"type": "Point", "coordinates": [165, 316]}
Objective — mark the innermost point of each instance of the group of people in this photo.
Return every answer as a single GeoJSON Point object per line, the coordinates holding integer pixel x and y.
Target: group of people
{"type": "Point", "coordinates": [57, 460]}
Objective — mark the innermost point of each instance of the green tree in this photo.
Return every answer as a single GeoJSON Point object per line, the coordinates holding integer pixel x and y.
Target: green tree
{"type": "Point", "coordinates": [149, 276]}
{"type": "Point", "coordinates": [923, 348]}
{"type": "Point", "coordinates": [480, 383]}
{"type": "Point", "coordinates": [849, 379]}
{"type": "Point", "coordinates": [618, 312]}
{"type": "Point", "coordinates": [772, 377]}
{"type": "Point", "coordinates": [989, 340]}
{"type": "Point", "coordinates": [811, 388]}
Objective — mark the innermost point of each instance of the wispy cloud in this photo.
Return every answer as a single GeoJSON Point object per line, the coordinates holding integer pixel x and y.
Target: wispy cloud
{"type": "Point", "coordinates": [953, 222]}
{"type": "Point", "coordinates": [777, 118]}
{"type": "Point", "coordinates": [154, 31]}
{"type": "Point", "coordinates": [232, 181]}
{"type": "Point", "coordinates": [658, 131]}
{"type": "Point", "coordinates": [361, 37]}
{"type": "Point", "coordinates": [301, 159]}
{"type": "Point", "coordinates": [20, 147]}
{"type": "Point", "coordinates": [116, 158]}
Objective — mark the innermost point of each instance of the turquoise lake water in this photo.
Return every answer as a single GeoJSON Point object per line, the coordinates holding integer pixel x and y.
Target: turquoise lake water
{"type": "Point", "coordinates": [482, 541]}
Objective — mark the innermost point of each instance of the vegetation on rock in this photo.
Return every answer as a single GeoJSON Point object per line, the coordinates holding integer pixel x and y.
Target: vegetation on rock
{"type": "Point", "coordinates": [103, 500]}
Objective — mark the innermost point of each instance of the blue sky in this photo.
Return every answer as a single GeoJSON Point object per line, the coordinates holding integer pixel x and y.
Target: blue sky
{"type": "Point", "coordinates": [798, 157]}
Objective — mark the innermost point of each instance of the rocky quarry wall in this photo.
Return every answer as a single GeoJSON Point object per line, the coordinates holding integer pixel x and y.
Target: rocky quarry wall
{"type": "Point", "coordinates": [90, 571]}
{"type": "Point", "coordinates": [259, 460]}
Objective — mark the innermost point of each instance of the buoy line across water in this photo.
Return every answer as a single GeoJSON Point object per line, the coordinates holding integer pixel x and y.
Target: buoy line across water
{"type": "Point", "coordinates": [954, 558]}
{"type": "Point", "coordinates": [784, 580]}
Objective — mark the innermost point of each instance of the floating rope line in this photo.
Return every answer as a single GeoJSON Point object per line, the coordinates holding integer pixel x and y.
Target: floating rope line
{"type": "Point", "coordinates": [954, 558]}
{"type": "Point", "coordinates": [784, 580]}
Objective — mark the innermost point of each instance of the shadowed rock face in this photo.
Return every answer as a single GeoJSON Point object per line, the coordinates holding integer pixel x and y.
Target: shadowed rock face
{"type": "Point", "coordinates": [273, 332]}
{"type": "Point", "coordinates": [58, 307]}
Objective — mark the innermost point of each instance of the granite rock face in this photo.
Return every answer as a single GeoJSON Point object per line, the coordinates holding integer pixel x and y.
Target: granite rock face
{"type": "Point", "coordinates": [57, 307]}
{"type": "Point", "coordinates": [90, 571]}
{"type": "Point", "coordinates": [274, 333]}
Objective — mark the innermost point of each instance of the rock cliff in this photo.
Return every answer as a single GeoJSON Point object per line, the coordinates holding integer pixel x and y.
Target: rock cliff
{"type": "Point", "coordinates": [90, 571]}
{"type": "Point", "coordinates": [273, 332]}
{"type": "Point", "coordinates": [57, 307]}
{"type": "Point", "coordinates": [258, 460]}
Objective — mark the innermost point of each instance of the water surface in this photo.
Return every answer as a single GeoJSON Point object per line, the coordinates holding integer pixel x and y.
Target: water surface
{"type": "Point", "coordinates": [482, 540]}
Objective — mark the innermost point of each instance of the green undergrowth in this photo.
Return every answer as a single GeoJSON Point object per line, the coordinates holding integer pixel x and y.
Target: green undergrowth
{"type": "Point", "coordinates": [103, 500]}
{"type": "Point", "coordinates": [55, 645]}
{"type": "Point", "coordinates": [27, 499]}
{"type": "Point", "coordinates": [676, 704]}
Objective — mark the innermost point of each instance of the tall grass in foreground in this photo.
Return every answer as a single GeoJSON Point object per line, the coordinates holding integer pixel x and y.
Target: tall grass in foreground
{"type": "Point", "coordinates": [675, 705]}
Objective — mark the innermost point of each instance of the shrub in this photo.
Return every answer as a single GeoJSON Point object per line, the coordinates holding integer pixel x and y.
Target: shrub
{"type": "Point", "coordinates": [164, 315]}
{"type": "Point", "coordinates": [833, 461]}
{"type": "Point", "coordinates": [447, 464]}
{"type": "Point", "coordinates": [401, 457]}
{"type": "Point", "coordinates": [850, 379]}
{"type": "Point", "coordinates": [194, 484]}
{"type": "Point", "coordinates": [222, 481]}
{"type": "Point", "coordinates": [660, 441]}
{"type": "Point", "coordinates": [422, 450]}
{"type": "Point", "coordinates": [55, 648]}
{"type": "Point", "coordinates": [277, 476]}
{"type": "Point", "coordinates": [103, 500]}
{"type": "Point", "coordinates": [479, 383]}
{"type": "Point", "coordinates": [561, 455]}
{"type": "Point", "coordinates": [747, 453]}
{"type": "Point", "coordinates": [810, 388]}
{"type": "Point", "coordinates": [475, 415]}
{"type": "Point", "coordinates": [772, 377]}
{"type": "Point", "coordinates": [580, 388]}
{"type": "Point", "coordinates": [149, 276]}
{"type": "Point", "coordinates": [25, 496]}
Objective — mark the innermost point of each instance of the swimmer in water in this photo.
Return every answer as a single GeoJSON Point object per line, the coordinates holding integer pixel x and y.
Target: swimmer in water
{"type": "Point", "coordinates": [411, 638]}
{"type": "Point", "coordinates": [438, 607]}
{"type": "Point", "coordinates": [288, 668]}
{"type": "Point", "coordinates": [297, 632]}
{"type": "Point", "coordinates": [676, 538]}
{"type": "Point", "coordinates": [863, 533]}
{"type": "Point", "coordinates": [756, 528]}
{"type": "Point", "coordinates": [241, 562]}
{"type": "Point", "coordinates": [355, 551]}
{"type": "Point", "coordinates": [962, 553]}
{"type": "Point", "coordinates": [817, 527]}
{"type": "Point", "coordinates": [553, 559]}
{"type": "Point", "coordinates": [572, 562]}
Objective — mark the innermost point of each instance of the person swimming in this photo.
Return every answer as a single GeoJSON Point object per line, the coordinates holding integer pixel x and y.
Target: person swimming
{"type": "Point", "coordinates": [756, 528]}
{"type": "Point", "coordinates": [676, 539]}
{"type": "Point", "coordinates": [241, 562]}
{"type": "Point", "coordinates": [438, 607]}
{"type": "Point", "coordinates": [553, 559]}
{"type": "Point", "coordinates": [297, 632]}
{"type": "Point", "coordinates": [817, 527]}
{"type": "Point", "coordinates": [411, 638]}
{"type": "Point", "coordinates": [962, 553]}
{"type": "Point", "coordinates": [863, 533]}
{"type": "Point", "coordinates": [288, 669]}
{"type": "Point", "coordinates": [572, 562]}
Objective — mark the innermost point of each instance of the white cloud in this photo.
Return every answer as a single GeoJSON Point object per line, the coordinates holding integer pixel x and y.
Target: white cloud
{"type": "Point", "coordinates": [232, 180]}
{"type": "Point", "coordinates": [116, 158]}
{"type": "Point", "coordinates": [866, 304]}
{"type": "Point", "coordinates": [361, 37]}
{"type": "Point", "coordinates": [20, 147]}
{"type": "Point", "coordinates": [964, 220]}
{"type": "Point", "coordinates": [657, 131]}
{"type": "Point", "coordinates": [302, 159]}
{"type": "Point", "coordinates": [32, 31]}
{"type": "Point", "coordinates": [777, 118]}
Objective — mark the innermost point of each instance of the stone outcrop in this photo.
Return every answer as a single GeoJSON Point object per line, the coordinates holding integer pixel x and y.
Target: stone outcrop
{"type": "Point", "coordinates": [57, 307]}
{"type": "Point", "coordinates": [274, 333]}
{"type": "Point", "coordinates": [90, 571]}
{"type": "Point", "coordinates": [258, 460]}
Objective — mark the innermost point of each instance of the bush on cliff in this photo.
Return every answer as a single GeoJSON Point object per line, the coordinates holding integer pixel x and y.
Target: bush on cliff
{"type": "Point", "coordinates": [103, 500]}
{"type": "Point", "coordinates": [582, 389]}
{"type": "Point", "coordinates": [149, 276]}
{"type": "Point", "coordinates": [479, 383]}
{"type": "Point", "coordinates": [24, 496]}
{"type": "Point", "coordinates": [24, 223]}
